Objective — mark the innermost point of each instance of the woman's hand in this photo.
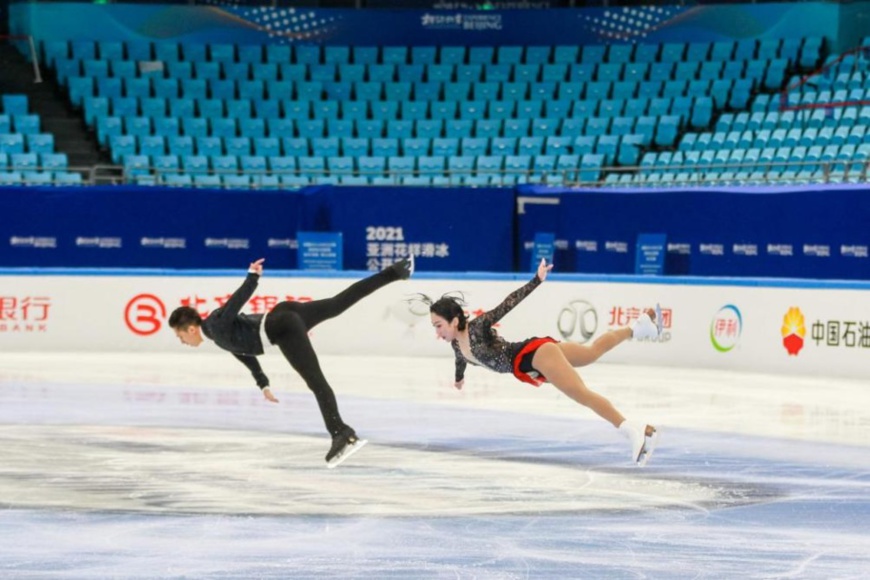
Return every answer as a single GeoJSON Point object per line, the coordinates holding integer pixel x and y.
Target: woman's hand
{"type": "Point", "coordinates": [544, 269]}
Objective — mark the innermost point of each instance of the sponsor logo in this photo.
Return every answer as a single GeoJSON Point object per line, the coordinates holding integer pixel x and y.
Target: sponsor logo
{"type": "Point", "coordinates": [622, 316]}
{"type": "Point", "coordinates": [819, 250]}
{"type": "Point", "coordinates": [745, 249]}
{"type": "Point", "coordinates": [144, 314]}
{"type": "Point", "coordinates": [228, 243]}
{"type": "Point", "coordinates": [460, 21]}
{"type": "Point", "coordinates": [841, 333]}
{"type": "Point", "coordinates": [283, 243]}
{"type": "Point", "coordinates": [24, 313]}
{"type": "Point", "coordinates": [780, 249]}
{"type": "Point", "coordinates": [32, 242]}
{"type": "Point", "coordinates": [485, 5]}
{"type": "Point", "coordinates": [578, 321]}
{"type": "Point", "coordinates": [712, 249]}
{"type": "Point", "coordinates": [618, 247]}
{"type": "Point", "coordinates": [793, 331]}
{"type": "Point", "coordinates": [102, 243]}
{"type": "Point", "coordinates": [684, 249]}
{"type": "Point", "coordinates": [165, 243]}
{"type": "Point", "coordinates": [441, 21]}
{"type": "Point", "coordinates": [854, 251]}
{"type": "Point", "coordinates": [726, 328]}
{"type": "Point", "coordinates": [586, 245]}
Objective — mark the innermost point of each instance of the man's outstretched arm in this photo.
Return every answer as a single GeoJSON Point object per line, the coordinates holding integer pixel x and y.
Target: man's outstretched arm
{"type": "Point", "coordinates": [257, 371]}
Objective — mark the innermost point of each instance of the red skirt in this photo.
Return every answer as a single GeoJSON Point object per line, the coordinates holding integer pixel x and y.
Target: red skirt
{"type": "Point", "coordinates": [531, 347]}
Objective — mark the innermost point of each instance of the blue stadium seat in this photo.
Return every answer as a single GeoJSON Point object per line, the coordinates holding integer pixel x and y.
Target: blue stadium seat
{"type": "Point", "coordinates": [474, 146]}
{"type": "Point", "coordinates": [167, 126]}
{"type": "Point", "coordinates": [341, 165]}
{"type": "Point", "coordinates": [371, 165]}
{"type": "Point", "coordinates": [225, 163]}
{"type": "Point", "coordinates": [40, 142]}
{"type": "Point", "coordinates": [431, 164]}
{"type": "Point", "coordinates": [458, 128]}
{"type": "Point", "coordinates": [460, 165]}
{"type": "Point", "coordinates": [400, 129]}
{"type": "Point", "coordinates": [209, 146]}
{"type": "Point", "coordinates": [354, 147]}
{"type": "Point", "coordinates": [560, 108]}
{"type": "Point", "coordinates": [180, 146]}
{"type": "Point", "coordinates": [488, 128]}
{"type": "Point", "coordinates": [584, 144]}
{"type": "Point", "coordinates": [472, 110]}
{"type": "Point", "coordinates": [558, 145]}
{"type": "Point", "coordinates": [237, 146]}
{"type": "Point", "coordinates": [445, 146]}
{"type": "Point", "coordinates": [503, 146]}
{"type": "Point", "coordinates": [282, 164]}
{"type": "Point", "coordinates": [401, 165]}
{"type": "Point", "coordinates": [452, 55]}
{"type": "Point", "coordinates": [53, 161]}
{"type": "Point", "coordinates": [388, 147]}
{"type": "Point", "coordinates": [325, 147]}
{"type": "Point", "coordinates": [530, 145]}
{"type": "Point", "coordinates": [370, 128]}
{"type": "Point", "coordinates": [501, 110]}
{"type": "Point", "coordinates": [666, 132]}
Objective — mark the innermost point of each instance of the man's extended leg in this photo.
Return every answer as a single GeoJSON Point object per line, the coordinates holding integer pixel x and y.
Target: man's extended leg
{"type": "Point", "coordinates": [315, 312]}
{"type": "Point", "coordinates": [292, 339]}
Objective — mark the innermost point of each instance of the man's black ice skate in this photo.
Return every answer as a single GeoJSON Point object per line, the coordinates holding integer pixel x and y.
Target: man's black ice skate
{"type": "Point", "coordinates": [405, 268]}
{"type": "Point", "coordinates": [344, 445]}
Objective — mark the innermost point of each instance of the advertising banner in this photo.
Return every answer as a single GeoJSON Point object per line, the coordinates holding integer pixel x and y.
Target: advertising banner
{"type": "Point", "coordinates": [771, 329]}
{"type": "Point", "coordinates": [447, 229]}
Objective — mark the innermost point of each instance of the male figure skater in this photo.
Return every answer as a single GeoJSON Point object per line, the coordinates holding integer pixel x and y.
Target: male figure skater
{"type": "Point", "coordinates": [287, 327]}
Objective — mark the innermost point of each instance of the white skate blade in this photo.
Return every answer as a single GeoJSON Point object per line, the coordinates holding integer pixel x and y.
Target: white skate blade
{"type": "Point", "coordinates": [347, 452]}
{"type": "Point", "coordinates": [646, 451]}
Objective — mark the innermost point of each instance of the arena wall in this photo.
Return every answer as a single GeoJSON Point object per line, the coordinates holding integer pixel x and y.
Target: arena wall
{"type": "Point", "coordinates": [783, 327]}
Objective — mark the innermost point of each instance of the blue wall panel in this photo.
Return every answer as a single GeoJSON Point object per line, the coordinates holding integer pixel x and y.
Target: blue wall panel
{"type": "Point", "coordinates": [779, 232]}
{"type": "Point", "coordinates": [753, 232]}
{"type": "Point", "coordinates": [154, 227]}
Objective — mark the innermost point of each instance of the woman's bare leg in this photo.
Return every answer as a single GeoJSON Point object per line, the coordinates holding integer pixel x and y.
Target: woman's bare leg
{"type": "Point", "coordinates": [579, 355]}
{"type": "Point", "coordinates": [551, 361]}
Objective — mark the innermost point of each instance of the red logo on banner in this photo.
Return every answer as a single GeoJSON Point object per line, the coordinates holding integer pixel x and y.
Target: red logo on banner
{"type": "Point", "coordinates": [24, 314]}
{"type": "Point", "coordinates": [144, 314]}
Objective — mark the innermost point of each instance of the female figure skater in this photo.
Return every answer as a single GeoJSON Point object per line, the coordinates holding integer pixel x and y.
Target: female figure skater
{"type": "Point", "coordinates": [287, 326]}
{"type": "Point", "coordinates": [539, 360]}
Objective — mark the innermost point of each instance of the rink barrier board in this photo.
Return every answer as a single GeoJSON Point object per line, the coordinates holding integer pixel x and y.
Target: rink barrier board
{"type": "Point", "coordinates": [771, 326]}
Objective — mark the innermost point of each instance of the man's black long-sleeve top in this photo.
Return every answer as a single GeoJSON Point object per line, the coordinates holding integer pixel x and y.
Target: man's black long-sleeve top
{"type": "Point", "coordinates": [239, 333]}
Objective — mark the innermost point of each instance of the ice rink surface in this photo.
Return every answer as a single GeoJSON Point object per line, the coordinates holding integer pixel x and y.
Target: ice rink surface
{"type": "Point", "coordinates": [173, 466]}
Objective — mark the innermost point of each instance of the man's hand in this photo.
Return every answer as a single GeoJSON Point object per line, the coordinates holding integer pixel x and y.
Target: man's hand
{"type": "Point", "coordinates": [267, 392]}
{"type": "Point", "coordinates": [458, 384]}
{"type": "Point", "coordinates": [256, 267]}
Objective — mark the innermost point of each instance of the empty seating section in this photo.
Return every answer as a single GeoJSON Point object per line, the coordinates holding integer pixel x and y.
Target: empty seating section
{"type": "Point", "coordinates": [27, 156]}
{"type": "Point", "coordinates": [276, 115]}
{"type": "Point", "coordinates": [816, 130]}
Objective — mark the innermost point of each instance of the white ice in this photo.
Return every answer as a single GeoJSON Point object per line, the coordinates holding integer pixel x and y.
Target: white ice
{"type": "Point", "coordinates": [173, 466]}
